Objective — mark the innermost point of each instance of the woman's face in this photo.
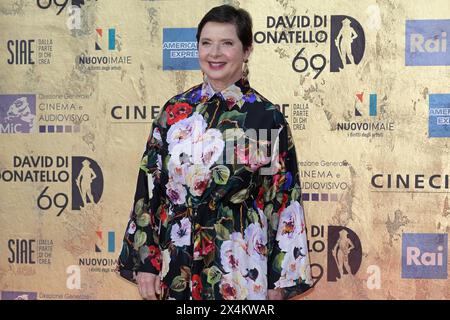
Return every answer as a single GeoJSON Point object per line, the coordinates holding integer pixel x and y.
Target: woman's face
{"type": "Point", "coordinates": [221, 54]}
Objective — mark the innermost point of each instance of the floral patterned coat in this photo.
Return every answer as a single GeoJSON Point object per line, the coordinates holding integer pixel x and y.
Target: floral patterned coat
{"type": "Point", "coordinates": [217, 211]}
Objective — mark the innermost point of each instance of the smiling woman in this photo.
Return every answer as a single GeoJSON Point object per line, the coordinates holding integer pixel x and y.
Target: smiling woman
{"type": "Point", "coordinates": [213, 219]}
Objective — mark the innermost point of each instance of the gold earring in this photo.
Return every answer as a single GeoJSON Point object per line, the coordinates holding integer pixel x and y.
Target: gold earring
{"type": "Point", "coordinates": [245, 72]}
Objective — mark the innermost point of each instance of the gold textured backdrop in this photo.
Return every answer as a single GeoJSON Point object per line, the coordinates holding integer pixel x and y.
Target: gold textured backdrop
{"type": "Point", "coordinates": [333, 162]}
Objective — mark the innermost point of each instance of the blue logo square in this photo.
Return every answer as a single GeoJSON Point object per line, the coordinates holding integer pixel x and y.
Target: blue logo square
{"type": "Point", "coordinates": [439, 115]}
{"type": "Point", "coordinates": [17, 113]}
{"type": "Point", "coordinates": [424, 255]}
{"type": "Point", "coordinates": [427, 43]}
{"type": "Point", "coordinates": [180, 49]}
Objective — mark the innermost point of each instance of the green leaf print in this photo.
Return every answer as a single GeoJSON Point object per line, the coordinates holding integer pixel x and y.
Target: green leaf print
{"type": "Point", "coordinates": [143, 164]}
{"type": "Point", "coordinates": [214, 275]}
{"type": "Point", "coordinates": [253, 216]}
{"type": "Point", "coordinates": [268, 210]}
{"type": "Point", "coordinates": [139, 207]}
{"type": "Point", "coordinates": [201, 108]}
{"type": "Point", "coordinates": [143, 253]}
{"type": "Point", "coordinates": [231, 119]}
{"type": "Point", "coordinates": [240, 196]}
{"type": "Point", "coordinates": [143, 220]}
{"type": "Point", "coordinates": [222, 233]}
{"type": "Point", "coordinates": [278, 261]}
{"type": "Point", "coordinates": [274, 221]}
{"type": "Point", "coordinates": [270, 194]}
{"type": "Point", "coordinates": [139, 239]}
{"type": "Point", "coordinates": [295, 193]}
{"type": "Point", "coordinates": [221, 174]}
{"type": "Point", "coordinates": [178, 284]}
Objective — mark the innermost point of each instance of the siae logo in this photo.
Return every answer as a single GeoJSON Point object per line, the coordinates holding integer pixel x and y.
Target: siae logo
{"type": "Point", "coordinates": [111, 241]}
{"type": "Point", "coordinates": [30, 251]}
{"type": "Point", "coordinates": [426, 43]}
{"type": "Point", "coordinates": [21, 51]}
{"type": "Point", "coordinates": [110, 39]}
{"type": "Point", "coordinates": [361, 105]}
{"type": "Point", "coordinates": [22, 251]}
{"type": "Point", "coordinates": [424, 255]}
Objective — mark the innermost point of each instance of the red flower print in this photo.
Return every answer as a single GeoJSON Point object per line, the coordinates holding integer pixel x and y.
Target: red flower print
{"type": "Point", "coordinates": [197, 287]}
{"type": "Point", "coordinates": [228, 292]}
{"type": "Point", "coordinates": [155, 257]}
{"type": "Point", "coordinates": [163, 214]}
{"type": "Point", "coordinates": [283, 203]}
{"type": "Point", "coordinates": [178, 111]}
{"type": "Point", "coordinates": [260, 198]}
{"type": "Point", "coordinates": [230, 102]}
{"type": "Point", "coordinates": [204, 247]}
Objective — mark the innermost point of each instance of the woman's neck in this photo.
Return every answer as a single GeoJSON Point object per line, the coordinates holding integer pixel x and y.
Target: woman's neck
{"type": "Point", "coordinates": [220, 85]}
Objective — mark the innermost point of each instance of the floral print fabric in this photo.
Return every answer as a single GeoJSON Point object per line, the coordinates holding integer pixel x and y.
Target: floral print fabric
{"type": "Point", "coordinates": [217, 212]}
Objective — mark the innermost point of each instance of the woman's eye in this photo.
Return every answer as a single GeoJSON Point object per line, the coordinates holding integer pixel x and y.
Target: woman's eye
{"type": "Point", "coordinates": [205, 43]}
{"type": "Point", "coordinates": [229, 43]}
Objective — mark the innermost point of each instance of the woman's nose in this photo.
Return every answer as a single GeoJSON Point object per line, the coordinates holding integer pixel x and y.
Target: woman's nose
{"type": "Point", "coordinates": [215, 51]}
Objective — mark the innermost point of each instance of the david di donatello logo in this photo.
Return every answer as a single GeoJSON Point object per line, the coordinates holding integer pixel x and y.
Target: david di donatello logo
{"type": "Point", "coordinates": [64, 181]}
{"type": "Point", "coordinates": [426, 43]}
{"type": "Point", "coordinates": [424, 255]}
{"type": "Point", "coordinates": [439, 115]}
{"type": "Point", "coordinates": [347, 42]}
{"type": "Point", "coordinates": [180, 49]}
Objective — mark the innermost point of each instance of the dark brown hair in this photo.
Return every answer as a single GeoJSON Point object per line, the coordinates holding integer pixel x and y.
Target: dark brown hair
{"type": "Point", "coordinates": [229, 14]}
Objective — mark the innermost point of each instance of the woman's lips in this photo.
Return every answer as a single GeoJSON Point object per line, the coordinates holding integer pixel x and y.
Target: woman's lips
{"type": "Point", "coordinates": [216, 65]}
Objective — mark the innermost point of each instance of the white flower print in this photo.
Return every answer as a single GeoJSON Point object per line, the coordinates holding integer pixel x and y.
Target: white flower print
{"type": "Point", "coordinates": [165, 260]}
{"type": "Point", "coordinates": [159, 162]}
{"type": "Point", "coordinates": [181, 233]}
{"type": "Point", "coordinates": [150, 185]}
{"type": "Point", "coordinates": [290, 227]}
{"type": "Point", "coordinates": [157, 134]}
{"type": "Point", "coordinates": [294, 267]}
{"type": "Point", "coordinates": [232, 94]}
{"type": "Point", "coordinates": [209, 148]}
{"type": "Point", "coordinates": [257, 280]}
{"type": "Point", "coordinates": [233, 254]}
{"type": "Point", "coordinates": [178, 172]}
{"type": "Point", "coordinates": [181, 153]}
{"type": "Point", "coordinates": [189, 129]}
{"type": "Point", "coordinates": [257, 240]}
{"type": "Point", "coordinates": [197, 179]}
{"type": "Point", "coordinates": [233, 286]}
{"type": "Point", "coordinates": [176, 193]}
{"type": "Point", "coordinates": [132, 227]}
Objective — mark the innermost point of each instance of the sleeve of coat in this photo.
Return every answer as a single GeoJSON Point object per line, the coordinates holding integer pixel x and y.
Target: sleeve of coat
{"type": "Point", "coordinates": [288, 257]}
{"type": "Point", "coordinates": [140, 250]}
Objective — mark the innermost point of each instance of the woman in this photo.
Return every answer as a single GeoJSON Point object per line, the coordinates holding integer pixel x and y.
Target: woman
{"type": "Point", "coordinates": [213, 219]}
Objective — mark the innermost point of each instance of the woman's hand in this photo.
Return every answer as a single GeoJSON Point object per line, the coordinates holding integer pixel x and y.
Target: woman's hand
{"type": "Point", "coordinates": [275, 294]}
{"type": "Point", "coordinates": [148, 285]}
